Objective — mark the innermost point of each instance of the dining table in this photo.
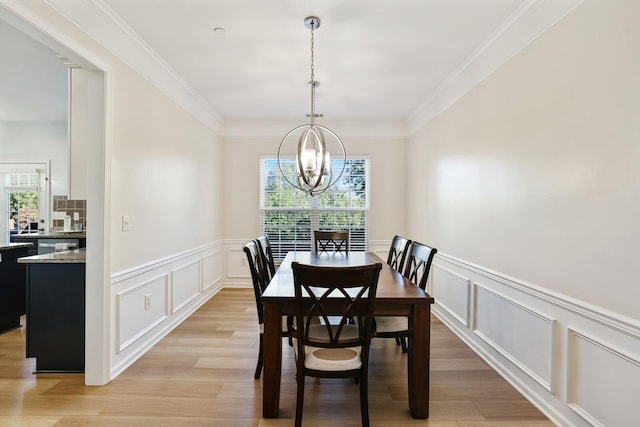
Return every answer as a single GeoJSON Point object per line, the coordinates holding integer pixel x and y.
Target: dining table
{"type": "Point", "coordinates": [396, 296]}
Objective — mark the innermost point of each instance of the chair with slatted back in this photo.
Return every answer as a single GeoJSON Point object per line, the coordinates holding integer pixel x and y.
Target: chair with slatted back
{"type": "Point", "coordinates": [333, 349]}
{"type": "Point", "coordinates": [331, 241]}
{"type": "Point", "coordinates": [398, 252]}
{"type": "Point", "coordinates": [267, 254]}
{"type": "Point", "coordinates": [418, 265]}
{"type": "Point", "coordinates": [260, 279]}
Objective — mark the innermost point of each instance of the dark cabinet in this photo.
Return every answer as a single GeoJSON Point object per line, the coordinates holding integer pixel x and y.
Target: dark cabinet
{"type": "Point", "coordinates": [12, 288]}
{"type": "Point", "coordinates": [55, 316]}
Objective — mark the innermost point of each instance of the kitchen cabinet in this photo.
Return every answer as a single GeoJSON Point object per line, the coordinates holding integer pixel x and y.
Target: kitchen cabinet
{"type": "Point", "coordinates": [56, 311]}
{"type": "Point", "coordinates": [12, 285]}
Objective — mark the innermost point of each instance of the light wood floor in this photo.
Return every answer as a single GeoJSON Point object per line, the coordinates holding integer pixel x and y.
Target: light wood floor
{"type": "Point", "coordinates": [202, 375]}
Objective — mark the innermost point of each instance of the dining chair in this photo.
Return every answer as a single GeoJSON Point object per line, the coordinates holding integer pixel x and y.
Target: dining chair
{"type": "Point", "coordinates": [398, 252]}
{"type": "Point", "coordinates": [260, 279]}
{"type": "Point", "coordinates": [333, 349]}
{"type": "Point", "coordinates": [331, 241]}
{"type": "Point", "coordinates": [267, 255]}
{"type": "Point", "coordinates": [419, 258]}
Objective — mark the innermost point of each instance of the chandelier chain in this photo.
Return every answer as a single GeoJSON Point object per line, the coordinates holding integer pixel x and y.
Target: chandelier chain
{"type": "Point", "coordinates": [313, 82]}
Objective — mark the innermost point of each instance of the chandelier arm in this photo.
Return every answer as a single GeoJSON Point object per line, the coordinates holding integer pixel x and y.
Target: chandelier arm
{"type": "Point", "coordinates": [299, 187]}
{"type": "Point", "coordinates": [313, 163]}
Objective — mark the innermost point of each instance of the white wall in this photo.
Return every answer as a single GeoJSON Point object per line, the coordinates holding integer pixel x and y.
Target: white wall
{"type": "Point", "coordinates": [242, 187]}
{"type": "Point", "coordinates": [37, 142]}
{"type": "Point", "coordinates": [162, 170]}
{"type": "Point", "coordinates": [529, 186]}
{"type": "Point", "coordinates": [242, 179]}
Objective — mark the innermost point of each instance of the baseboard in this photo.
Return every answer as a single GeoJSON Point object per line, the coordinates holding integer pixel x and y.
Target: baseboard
{"type": "Point", "coordinates": [534, 338]}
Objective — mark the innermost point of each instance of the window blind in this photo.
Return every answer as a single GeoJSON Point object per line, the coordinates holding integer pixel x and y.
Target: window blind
{"type": "Point", "coordinates": [288, 216]}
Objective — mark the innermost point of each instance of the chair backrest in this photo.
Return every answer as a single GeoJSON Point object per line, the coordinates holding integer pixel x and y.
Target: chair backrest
{"type": "Point", "coordinates": [343, 293]}
{"type": "Point", "coordinates": [398, 252]}
{"type": "Point", "coordinates": [259, 276]}
{"type": "Point", "coordinates": [331, 241]}
{"type": "Point", "coordinates": [419, 258]}
{"type": "Point", "coordinates": [267, 254]}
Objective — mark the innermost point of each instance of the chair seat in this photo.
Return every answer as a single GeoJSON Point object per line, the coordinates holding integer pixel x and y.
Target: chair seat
{"type": "Point", "coordinates": [391, 324]}
{"type": "Point", "coordinates": [332, 359]}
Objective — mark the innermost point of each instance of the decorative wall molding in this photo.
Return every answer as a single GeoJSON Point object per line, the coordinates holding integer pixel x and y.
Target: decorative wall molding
{"type": "Point", "coordinates": [186, 284]}
{"type": "Point", "coordinates": [159, 263]}
{"type": "Point", "coordinates": [617, 382]}
{"type": "Point", "coordinates": [453, 293]}
{"type": "Point", "coordinates": [517, 332]}
{"type": "Point", "coordinates": [177, 286]}
{"type": "Point", "coordinates": [211, 265]}
{"type": "Point", "coordinates": [101, 23]}
{"type": "Point", "coordinates": [277, 129]}
{"type": "Point", "coordinates": [531, 336]}
{"type": "Point", "coordinates": [527, 23]}
{"type": "Point", "coordinates": [126, 302]}
{"type": "Point", "coordinates": [95, 17]}
{"type": "Point", "coordinates": [607, 318]}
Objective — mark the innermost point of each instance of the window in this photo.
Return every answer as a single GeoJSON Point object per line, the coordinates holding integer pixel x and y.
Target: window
{"type": "Point", "coordinates": [24, 198]}
{"type": "Point", "coordinates": [289, 215]}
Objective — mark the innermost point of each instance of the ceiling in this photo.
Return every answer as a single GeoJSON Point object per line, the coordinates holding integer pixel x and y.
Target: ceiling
{"type": "Point", "coordinates": [376, 60]}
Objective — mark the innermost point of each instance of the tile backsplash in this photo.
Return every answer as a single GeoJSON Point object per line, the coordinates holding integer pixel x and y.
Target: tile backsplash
{"type": "Point", "coordinates": [69, 207]}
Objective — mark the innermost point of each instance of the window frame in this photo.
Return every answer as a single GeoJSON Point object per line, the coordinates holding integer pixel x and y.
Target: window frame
{"type": "Point", "coordinates": [304, 241]}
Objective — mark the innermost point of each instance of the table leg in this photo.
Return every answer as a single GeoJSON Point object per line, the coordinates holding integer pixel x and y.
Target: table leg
{"type": "Point", "coordinates": [272, 360]}
{"type": "Point", "coordinates": [418, 361]}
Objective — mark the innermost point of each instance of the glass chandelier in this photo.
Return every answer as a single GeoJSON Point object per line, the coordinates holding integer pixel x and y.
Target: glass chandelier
{"type": "Point", "coordinates": [313, 173]}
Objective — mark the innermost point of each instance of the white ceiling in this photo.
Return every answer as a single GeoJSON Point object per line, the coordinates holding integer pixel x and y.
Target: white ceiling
{"type": "Point", "coordinates": [376, 60]}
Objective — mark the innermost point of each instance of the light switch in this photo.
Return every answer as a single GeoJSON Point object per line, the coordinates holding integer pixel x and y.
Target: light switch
{"type": "Point", "coordinates": [125, 223]}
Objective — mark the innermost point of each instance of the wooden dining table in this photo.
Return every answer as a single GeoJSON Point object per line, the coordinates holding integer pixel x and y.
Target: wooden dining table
{"type": "Point", "coordinates": [396, 296]}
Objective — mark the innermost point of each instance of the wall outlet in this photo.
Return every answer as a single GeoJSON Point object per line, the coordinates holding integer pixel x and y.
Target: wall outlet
{"type": "Point", "coordinates": [147, 301]}
{"type": "Point", "coordinates": [125, 223]}
{"type": "Point", "coordinates": [76, 216]}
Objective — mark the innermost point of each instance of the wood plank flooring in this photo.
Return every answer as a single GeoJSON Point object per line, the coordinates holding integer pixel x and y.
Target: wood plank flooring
{"type": "Point", "coordinates": [201, 374]}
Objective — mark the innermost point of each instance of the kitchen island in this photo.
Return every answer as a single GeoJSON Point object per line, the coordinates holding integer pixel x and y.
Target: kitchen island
{"type": "Point", "coordinates": [12, 285]}
{"type": "Point", "coordinates": [55, 310]}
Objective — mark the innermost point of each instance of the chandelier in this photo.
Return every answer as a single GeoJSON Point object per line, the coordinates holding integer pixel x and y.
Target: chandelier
{"type": "Point", "coordinates": [313, 173]}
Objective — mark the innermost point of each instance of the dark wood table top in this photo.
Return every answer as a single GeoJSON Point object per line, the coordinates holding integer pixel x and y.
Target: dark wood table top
{"type": "Point", "coordinates": [392, 286]}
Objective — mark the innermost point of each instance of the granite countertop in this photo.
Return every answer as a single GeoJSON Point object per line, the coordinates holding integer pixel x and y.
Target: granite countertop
{"type": "Point", "coordinates": [8, 246]}
{"type": "Point", "coordinates": [76, 256]}
{"type": "Point", "coordinates": [53, 235]}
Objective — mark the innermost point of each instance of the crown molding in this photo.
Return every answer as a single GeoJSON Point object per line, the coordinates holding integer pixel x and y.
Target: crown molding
{"type": "Point", "coordinates": [528, 22]}
{"type": "Point", "coordinates": [98, 21]}
{"type": "Point", "coordinates": [278, 129]}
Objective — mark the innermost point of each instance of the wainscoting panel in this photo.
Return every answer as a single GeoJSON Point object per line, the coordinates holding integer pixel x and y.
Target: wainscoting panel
{"type": "Point", "coordinates": [237, 266]}
{"type": "Point", "coordinates": [142, 316]}
{"type": "Point", "coordinates": [523, 336]}
{"type": "Point", "coordinates": [604, 383]}
{"type": "Point", "coordinates": [174, 288]}
{"type": "Point", "coordinates": [185, 285]}
{"type": "Point", "coordinates": [453, 292]}
{"type": "Point", "coordinates": [211, 270]}
{"type": "Point", "coordinates": [531, 336]}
